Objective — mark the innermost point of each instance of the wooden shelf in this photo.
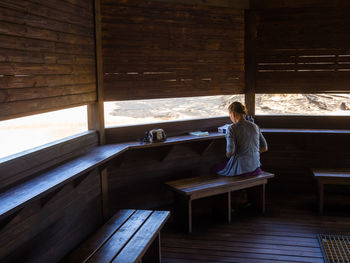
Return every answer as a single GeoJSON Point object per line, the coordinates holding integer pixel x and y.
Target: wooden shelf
{"type": "Point", "coordinates": [15, 198]}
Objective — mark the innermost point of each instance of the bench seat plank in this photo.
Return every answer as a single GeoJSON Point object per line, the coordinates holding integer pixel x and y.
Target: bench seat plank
{"type": "Point", "coordinates": [139, 243]}
{"type": "Point", "coordinates": [219, 184]}
{"type": "Point", "coordinates": [120, 238]}
{"type": "Point", "coordinates": [205, 186]}
{"type": "Point", "coordinates": [100, 237]}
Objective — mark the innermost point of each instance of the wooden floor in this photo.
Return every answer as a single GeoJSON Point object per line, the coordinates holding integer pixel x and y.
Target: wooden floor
{"type": "Point", "coordinates": [287, 233]}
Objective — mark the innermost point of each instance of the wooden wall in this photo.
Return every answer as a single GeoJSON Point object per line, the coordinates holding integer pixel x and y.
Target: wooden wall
{"type": "Point", "coordinates": [137, 178]}
{"type": "Point", "coordinates": [47, 56]}
{"type": "Point", "coordinates": [156, 49]}
{"type": "Point", "coordinates": [303, 50]}
{"type": "Point", "coordinates": [291, 157]}
{"type": "Point", "coordinates": [47, 229]}
{"type": "Point", "coordinates": [48, 62]}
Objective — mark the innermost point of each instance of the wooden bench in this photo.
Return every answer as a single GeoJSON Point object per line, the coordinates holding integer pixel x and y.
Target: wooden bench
{"type": "Point", "coordinates": [328, 176]}
{"type": "Point", "coordinates": [129, 236]}
{"type": "Point", "coordinates": [189, 189]}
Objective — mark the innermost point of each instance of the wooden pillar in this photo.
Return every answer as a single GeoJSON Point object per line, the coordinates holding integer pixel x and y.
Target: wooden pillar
{"type": "Point", "coordinates": [96, 110]}
{"type": "Point", "coordinates": [250, 60]}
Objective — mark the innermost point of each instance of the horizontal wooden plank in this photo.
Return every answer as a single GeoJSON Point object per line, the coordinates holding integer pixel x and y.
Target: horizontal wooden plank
{"type": "Point", "coordinates": [11, 29]}
{"type": "Point", "coordinates": [29, 81]}
{"type": "Point", "coordinates": [210, 45]}
{"type": "Point", "coordinates": [12, 95]}
{"type": "Point", "coordinates": [8, 55]}
{"type": "Point", "coordinates": [302, 82]}
{"type": "Point", "coordinates": [177, 89]}
{"type": "Point", "coordinates": [267, 4]}
{"type": "Point", "coordinates": [13, 68]}
{"type": "Point", "coordinates": [158, 77]}
{"type": "Point", "coordinates": [9, 68]}
{"type": "Point", "coordinates": [116, 242]}
{"type": "Point", "coordinates": [139, 243]}
{"type": "Point", "coordinates": [202, 254]}
{"type": "Point", "coordinates": [238, 4]}
{"type": "Point", "coordinates": [195, 185]}
{"type": "Point", "coordinates": [100, 237]}
{"type": "Point", "coordinates": [23, 108]}
{"type": "Point", "coordinates": [110, 55]}
{"type": "Point", "coordinates": [196, 68]}
{"type": "Point", "coordinates": [25, 44]}
{"type": "Point", "coordinates": [330, 66]}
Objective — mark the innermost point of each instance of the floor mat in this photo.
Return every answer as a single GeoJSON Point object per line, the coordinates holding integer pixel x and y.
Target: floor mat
{"type": "Point", "coordinates": [335, 248]}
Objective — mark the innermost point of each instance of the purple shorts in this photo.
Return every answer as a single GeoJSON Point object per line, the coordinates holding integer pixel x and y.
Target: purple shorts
{"type": "Point", "coordinates": [219, 166]}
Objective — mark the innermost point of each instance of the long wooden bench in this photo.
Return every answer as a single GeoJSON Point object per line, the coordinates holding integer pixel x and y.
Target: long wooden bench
{"type": "Point", "coordinates": [189, 189]}
{"type": "Point", "coordinates": [129, 236]}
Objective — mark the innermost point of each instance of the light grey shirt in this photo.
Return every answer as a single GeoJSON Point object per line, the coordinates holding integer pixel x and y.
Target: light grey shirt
{"type": "Point", "coordinates": [244, 140]}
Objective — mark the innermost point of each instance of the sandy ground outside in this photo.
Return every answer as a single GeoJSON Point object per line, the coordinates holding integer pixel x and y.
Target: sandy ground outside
{"type": "Point", "coordinates": [21, 134]}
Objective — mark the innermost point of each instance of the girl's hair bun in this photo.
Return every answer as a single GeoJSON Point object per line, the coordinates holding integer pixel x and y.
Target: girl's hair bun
{"type": "Point", "coordinates": [237, 107]}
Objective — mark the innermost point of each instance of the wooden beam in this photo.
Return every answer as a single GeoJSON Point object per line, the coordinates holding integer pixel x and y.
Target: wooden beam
{"type": "Point", "coordinates": [250, 60]}
{"type": "Point", "coordinates": [96, 110]}
{"type": "Point", "coordinates": [266, 4]}
{"type": "Point", "coordinates": [243, 4]}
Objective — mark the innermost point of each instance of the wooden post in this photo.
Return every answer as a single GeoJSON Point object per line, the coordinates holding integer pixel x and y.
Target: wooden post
{"type": "Point", "coordinates": [96, 110]}
{"type": "Point", "coordinates": [250, 60]}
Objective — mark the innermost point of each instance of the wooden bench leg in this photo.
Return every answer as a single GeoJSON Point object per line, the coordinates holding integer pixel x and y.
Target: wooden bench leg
{"type": "Point", "coordinates": [229, 207]}
{"type": "Point", "coordinates": [321, 197]}
{"type": "Point", "coordinates": [189, 207]}
{"type": "Point", "coordinates": [153, 254]}
{"type": "Point", "coordinates": [222, 206]}
{"type": "Point", "coordinates": [256, 195]}
{"type": "Point", "coordinates": [183, 211]}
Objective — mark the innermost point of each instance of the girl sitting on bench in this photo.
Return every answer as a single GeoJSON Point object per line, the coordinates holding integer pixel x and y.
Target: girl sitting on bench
{"type": "Point", "coordinates": [244, 144]}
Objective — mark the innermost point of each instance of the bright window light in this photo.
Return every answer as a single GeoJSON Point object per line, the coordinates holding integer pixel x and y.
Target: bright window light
{"type": "Point", "coordinates": [21, 134]}
{"type": "Point", "coordinates": [121, 113]}
{"type": "Point", "coordinates": [303, 104]}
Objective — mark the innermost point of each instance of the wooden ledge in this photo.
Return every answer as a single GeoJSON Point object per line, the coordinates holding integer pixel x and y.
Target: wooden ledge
{"type": "Point", "coordinates": [15, 198]}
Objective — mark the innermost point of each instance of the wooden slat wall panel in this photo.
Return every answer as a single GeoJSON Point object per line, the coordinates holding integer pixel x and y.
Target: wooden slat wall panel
{"type": "Point", "coordinates": [46, 230]}
{"type": "Point", "coordinates": [303, 50]}
{"type": "Point", "coordinates": [47, 56]}
{"type": "Point", "coordinates": [291, 157]}
{"type": "Point", "coordinates": [137, 178]}
{"type": "Point", "coordinates": [263, 4]}
{"type": "Point", "coordinates": [157, 50]}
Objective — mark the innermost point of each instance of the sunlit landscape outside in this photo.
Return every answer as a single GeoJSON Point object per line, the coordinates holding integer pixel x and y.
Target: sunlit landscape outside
{"type": "Point", "coordinates": [302, 104]}
{"type": "Point", "coordinates": [122, 113]}
{"type": "Point", "coordinates": [20, 134]}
